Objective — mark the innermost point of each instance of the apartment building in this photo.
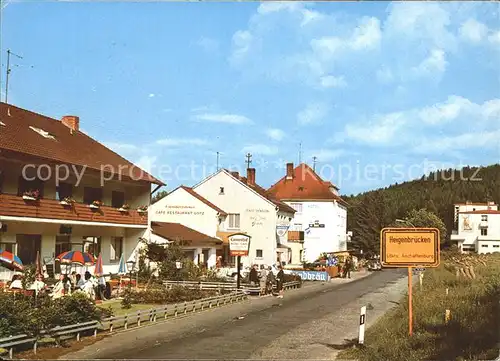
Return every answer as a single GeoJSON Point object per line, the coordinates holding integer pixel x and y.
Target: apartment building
{"type": "Point", "coordinates": [250, 210]}
{"type": "Point", "coordinates": [320, 212]}
{"type": "Point", "coordinates": [61, 190]}
{"type": "Point", "coordinates": [477, 227]}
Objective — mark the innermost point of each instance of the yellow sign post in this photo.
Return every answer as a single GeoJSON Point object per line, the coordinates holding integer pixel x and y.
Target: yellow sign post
{"type": "Point", "coordinates": [409, 247]}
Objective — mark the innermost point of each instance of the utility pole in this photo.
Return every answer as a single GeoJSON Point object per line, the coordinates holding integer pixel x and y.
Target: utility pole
{"type": "Point", "coordinates": [249, 160]}
{"type": "Point", "coordinates": [8, 72]}
{"type": "Point", "coordinates": [300, 153]}
{"type": "Point", "coordinates": [218, 160]}
{"type": "Point", "coordinates": [314, 163]}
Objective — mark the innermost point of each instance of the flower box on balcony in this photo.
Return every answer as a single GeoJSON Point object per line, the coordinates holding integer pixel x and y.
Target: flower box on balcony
{"type": "Point", "coordinates": [67, 202]}
{"type": "Point", "coordinates": [31, 195]}
{"type": "Point", "coordinates": [124, 208]}
{"type": "Point", "coordinates": [95, 205]}
{"type": "Point", "coordinates": [142, 210]}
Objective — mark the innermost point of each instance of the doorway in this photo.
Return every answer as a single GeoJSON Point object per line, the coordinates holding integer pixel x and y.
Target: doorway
{"type": "Point", "coordinates": [27, 247]}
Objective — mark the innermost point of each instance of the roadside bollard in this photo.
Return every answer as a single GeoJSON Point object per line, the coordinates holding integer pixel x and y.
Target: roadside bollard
{"type": "Point", "coordinates": [362, 320]}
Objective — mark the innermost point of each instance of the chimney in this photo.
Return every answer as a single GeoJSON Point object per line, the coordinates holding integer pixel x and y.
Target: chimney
{"type": "Point", "coordinates": [289, 171]}
{"type": "Point", "coordinates": [251, 176]}
{"type": "Point", "coordinates": [235, 174]}
{"type": "Point", "coordinates": [71, 121]}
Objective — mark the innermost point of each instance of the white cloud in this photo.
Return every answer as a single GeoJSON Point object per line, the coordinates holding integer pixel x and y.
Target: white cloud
{"type": "Point", "coordinates": [483, 140]}
{"type": "Point", "coordinates": [473, 31]}
{"type": "Point", "coordinates": [313, 113]}
{"type": "Point", "coordinates": [275, 134]}
{"type": "Point", "coordinates": [260, 149]}
{"type": "Point", "coordinates": [152, 95]}
{"type": "Point", "coordinates": [446, 111]}
{"type": "Point", "coordinates": [176, 142]}
{"type": "Point", "coordinates": [424, 126]}
{"type": "Point", "coordinates": [242, 42]}
{"type": "Point", "coordinates": [381, 130]}
{"type": "Point", "coordinates": [494, 38]}
{"type": "Point", "coordinates": [435, 63]}
{"type": "Point", "coordinates": [208, 44]}
{"type": "Point", "coordinates": [331, 81]}
{"type": "Point", "coordinates": [223, 118]}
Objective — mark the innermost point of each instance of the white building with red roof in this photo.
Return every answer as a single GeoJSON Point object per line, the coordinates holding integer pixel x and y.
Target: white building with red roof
{"type": "Point", "coordinates": [185, 215]}
{"type": "Point", "coordinates": [320, 213]}
{"type": "Point", "coordinates": [477, 227]}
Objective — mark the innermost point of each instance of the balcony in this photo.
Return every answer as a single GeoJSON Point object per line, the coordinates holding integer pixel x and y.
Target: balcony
{"type": "Point", "coordinates": [483, 224]}
{"type": "Point", "coordinates": [16, 206]}
{"type": "Point", "coordinates": [295, 236]}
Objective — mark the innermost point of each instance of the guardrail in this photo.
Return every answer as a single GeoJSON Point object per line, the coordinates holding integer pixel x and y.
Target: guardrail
{"type": "Point", "coordinates": [226, 286]}
{"type": "Point", "coordinates": [110, 324]}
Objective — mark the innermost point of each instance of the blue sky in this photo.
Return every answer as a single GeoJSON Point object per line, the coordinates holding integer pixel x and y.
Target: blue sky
{"type": "Point", "coordinates": [378, 92]}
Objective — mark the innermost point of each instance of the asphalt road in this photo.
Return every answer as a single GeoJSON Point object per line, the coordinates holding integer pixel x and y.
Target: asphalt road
{"type": "Point", "coordinates": [224, 335]}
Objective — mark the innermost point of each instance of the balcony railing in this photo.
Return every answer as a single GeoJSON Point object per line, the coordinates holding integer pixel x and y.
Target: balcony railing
{"type": "Point", "coordinates": [16, 206]}
{"type": "Point", "coordinates": [295, 236]}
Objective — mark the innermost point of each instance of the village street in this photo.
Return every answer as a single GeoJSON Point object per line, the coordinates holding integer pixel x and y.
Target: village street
{"type": "Point", "coordinates": [245, 330]}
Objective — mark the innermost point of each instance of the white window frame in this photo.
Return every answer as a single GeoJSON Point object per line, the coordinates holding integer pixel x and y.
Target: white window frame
{"type": "Point", "coordinates": [257, 254]}
{"type": "Point", "coordinates": [484, 231]}
{"type": "Point", "coordinates": [233, 221]}
{"type": "Point", "coordinates": [112, 249]}
{"type": "Point", "coordinates": [484, 218]}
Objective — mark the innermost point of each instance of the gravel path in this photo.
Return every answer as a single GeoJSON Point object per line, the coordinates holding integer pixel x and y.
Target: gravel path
{"type": "Point", "coordinates": [256, 328]}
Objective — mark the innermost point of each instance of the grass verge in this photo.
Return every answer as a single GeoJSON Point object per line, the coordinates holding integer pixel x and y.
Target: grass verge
{"type": "Point", "coordinates": [472, 332]}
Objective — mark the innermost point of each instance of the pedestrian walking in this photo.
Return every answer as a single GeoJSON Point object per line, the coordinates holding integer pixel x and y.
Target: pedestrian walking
{"type": "Point", "coordinates": [348, 267]}
{"type": "Point", "coordinates": [263, 280]}
{"type": "Point", "coordinates": [270, 280]}
{"type": "Point", "coordinates": [254, 276]}
{"type": "Point", "coordinates": [279, 281]}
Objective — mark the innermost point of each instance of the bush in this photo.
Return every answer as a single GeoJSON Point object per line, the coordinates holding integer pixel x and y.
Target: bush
{"type": "Point", "coordinates": [174, 295]}
{"type": "Point", "coordinates": [24, 314]}
{"type": "Point", "coordinates": [292, 278]}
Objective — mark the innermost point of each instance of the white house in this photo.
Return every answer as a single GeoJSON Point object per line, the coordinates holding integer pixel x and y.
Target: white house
{"type": "Point", "coordinates": [250, 210]}
{"type": "Point", "coordinates": [319, 210]}
{"type": "Point", "coordinates": [201, 221]}
{"type": "Point", "coordinates": [477, 227]}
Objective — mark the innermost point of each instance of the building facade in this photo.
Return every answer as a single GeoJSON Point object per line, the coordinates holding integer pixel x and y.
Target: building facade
{"type": "Point", "coordinates": [186, 207]}
{"type": "Point", "coordinates": [50, 175]}
{"type": "Point", "coordinates": [252, 211]}
{"type": "Point", "coordinates": [320, 213]}
{"type": "Point", "coordinates": [477, 227]}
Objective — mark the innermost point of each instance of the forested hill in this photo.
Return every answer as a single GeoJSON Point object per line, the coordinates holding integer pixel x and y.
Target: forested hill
{"type": "Point", "coordinates": [437, 192]}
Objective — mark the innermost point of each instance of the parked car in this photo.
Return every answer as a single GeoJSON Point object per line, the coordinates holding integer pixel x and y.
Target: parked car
{"type": "Point", "coordinates": [374, 265]}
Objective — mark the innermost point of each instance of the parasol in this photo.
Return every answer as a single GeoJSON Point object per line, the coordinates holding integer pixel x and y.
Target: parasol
{"type": "Point", "coordinates": [10, 260]}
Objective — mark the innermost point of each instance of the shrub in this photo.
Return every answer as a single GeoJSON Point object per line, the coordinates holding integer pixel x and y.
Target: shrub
{"type": "Point", "coordinates": [174, 295]}
{"type": "Point", "coordinates": [292, 278]}
{"type": "Point", "coordinates": [24, 314]}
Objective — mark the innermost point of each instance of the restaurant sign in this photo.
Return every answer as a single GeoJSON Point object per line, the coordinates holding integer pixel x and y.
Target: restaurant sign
{"type": "Point", "coordinates": [239, 244]}
{"type": "Point", "coordinates": [310, 275]}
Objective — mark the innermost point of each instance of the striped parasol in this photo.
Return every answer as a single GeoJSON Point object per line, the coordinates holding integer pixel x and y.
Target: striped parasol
{"type": "Point", "coordinates": [122, 266]}
{"type": "Point", "coordinates": [98, 270]}
{"type": "Point", "coordinates": [78, 257]}
{"type": "Point", "coordinates": [10, 260]}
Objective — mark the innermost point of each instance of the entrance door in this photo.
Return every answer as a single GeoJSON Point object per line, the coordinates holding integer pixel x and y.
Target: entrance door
{"type": "Point", "coordinates": [27, 247]}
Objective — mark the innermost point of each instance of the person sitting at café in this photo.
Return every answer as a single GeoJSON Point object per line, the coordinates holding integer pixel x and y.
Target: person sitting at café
{"type": "Point", "coordinates": [89, 286]}
{"type": "Point", "coordinates": [79, 281]}
{"type": "Point", "coordinates": [16, 283]}
{"type": "Point", "coordinates": [38, 286]}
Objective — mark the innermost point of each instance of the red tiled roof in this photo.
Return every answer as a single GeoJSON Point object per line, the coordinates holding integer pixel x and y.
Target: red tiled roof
{"type": "Point", "coordinates": [485, 211]}
{"type": "Point", "coordinates": [15, 206]}
{"type": "Point", "coordinates": [207, 202]}
{"type": "Point", "coordinates": [305, 185]}
{"type": "Point", "coordinates": [178, 232]}
{"type": "Point", "coordinates": [67, 148]}
{"type": "Point", "coordinates": [262, 192]}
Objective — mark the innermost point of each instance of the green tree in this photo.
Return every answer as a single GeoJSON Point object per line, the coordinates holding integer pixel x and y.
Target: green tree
{"type": "Point", "coordinates": [159, 195]}
{"type": "Point", "coordinates": [422, 218]}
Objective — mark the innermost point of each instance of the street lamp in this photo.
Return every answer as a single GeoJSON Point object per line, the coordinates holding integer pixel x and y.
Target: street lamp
{"type": "Point", "coordinates": [130, 265]}
{"type": "Point", "coordinates": [405, 221]}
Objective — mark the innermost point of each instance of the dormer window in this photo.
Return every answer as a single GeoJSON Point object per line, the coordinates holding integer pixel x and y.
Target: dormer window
{"type": "Point", "coordinates": [301, 188]}
{"type": "Point", "coordinates": [42, 132]}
